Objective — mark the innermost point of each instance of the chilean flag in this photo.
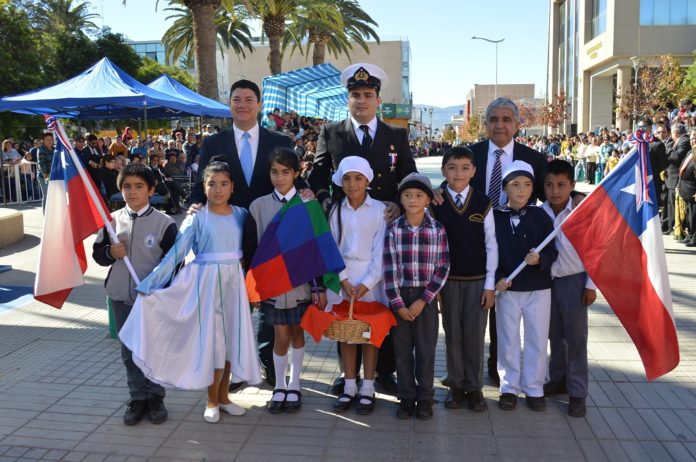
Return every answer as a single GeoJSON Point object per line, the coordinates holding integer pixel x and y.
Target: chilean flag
{"type": "Point", "coordinates": [617, 234]}
{"type": "Point", "coordinates": [70, 217]}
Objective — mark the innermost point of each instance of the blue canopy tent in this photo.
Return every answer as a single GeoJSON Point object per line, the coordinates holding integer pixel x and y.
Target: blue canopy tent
{"type": "Point", "coordinates": [209, 107]}
{"type": "Point", "coordinates": [311, 91]}
{"type": "Point", "coordinates": [104, 91]}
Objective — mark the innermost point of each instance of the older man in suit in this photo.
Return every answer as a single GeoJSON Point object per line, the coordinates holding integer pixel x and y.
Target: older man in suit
{"type": "Point", "coordinates": [491, 158]}
{"type": "Point", "coordinates": [386, 149]}
{"type": "Point", "coordinates": [247, 147]}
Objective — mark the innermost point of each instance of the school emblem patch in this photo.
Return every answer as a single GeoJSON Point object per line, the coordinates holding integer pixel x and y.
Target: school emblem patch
{"type": "Point", "coordinates": [149, 241]}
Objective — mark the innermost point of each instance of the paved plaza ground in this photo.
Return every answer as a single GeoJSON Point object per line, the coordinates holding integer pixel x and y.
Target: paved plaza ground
{"type": "Point", "coordinates": [63, 393]}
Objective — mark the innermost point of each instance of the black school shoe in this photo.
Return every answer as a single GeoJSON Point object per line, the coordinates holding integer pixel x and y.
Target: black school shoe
{"type": "Point", "coordinates": [507, 401]}
{"type": "Point", "coordinates": [576, 407]}
{"type": "Point", "coordinates": [293, 406]}
{"type": "Point", "coordinates": [536, 403]}
{"type": "Point", "coordinates": [387, 383]}
{"type": "Point", "coordinates": [276, 407]}
{"type": "Point", "coordinates": [156, 410]}
{"type": "Point", "coordinates": [344, 402]}
{"type": "Point", "coordinates": [455, 398]}
{"type": "Point", "coordinates": [475, 401]}
{"type": "Point", "coordinates": [365, 409]}
{"type": "Point", "coordinates": [424, 409]}
{"type": "Point", "coordinates": [135, 411]}
{"type": "Point", "coordinates": [406, 409]}
{"type": "Point", "coordinates": [555, 388]}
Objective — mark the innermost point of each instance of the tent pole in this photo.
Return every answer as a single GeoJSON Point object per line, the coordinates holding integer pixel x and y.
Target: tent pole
{"type": "Point", "coordinates": [145, 120]}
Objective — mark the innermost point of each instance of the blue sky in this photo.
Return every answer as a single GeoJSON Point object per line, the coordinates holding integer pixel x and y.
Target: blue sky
{"type": "Point", "coordinates": [445, 62]}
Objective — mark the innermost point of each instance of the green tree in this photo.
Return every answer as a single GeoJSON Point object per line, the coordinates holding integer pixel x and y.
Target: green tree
{"type": "Point", "coordinates": [232, 32]}
{"type": "Point", "coordinates": [61, 15]}
{"type": "Point", "coordinates": [22, 69]}
{"type": "Point", "coordinates": [273, 14]}
{"type": "Point", "coordinates": [67, 54]}
{"type": "Point", "coordinates": [114, 47]}
{"type": "Point", "coordinates": [689, 86]}
{"type": "Point", "coordinates": [151, 70]}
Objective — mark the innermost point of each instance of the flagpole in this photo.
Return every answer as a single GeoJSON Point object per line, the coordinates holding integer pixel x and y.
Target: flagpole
{"type": "Point", "coordinates": [556, 230]}
{"type": "Point", "coordinates": [60, 133]}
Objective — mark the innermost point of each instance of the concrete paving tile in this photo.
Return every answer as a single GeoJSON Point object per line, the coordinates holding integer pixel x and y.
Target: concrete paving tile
{"type": "Point", "coordinates": [656, 425]}
{"type": "Point", "coordinates": [636, 451]}
{"type": "Point", "coordinates": [677, 451]}
{"type": "Point", "coordinates": [55, 454]}
{"type": "Point", "coordinates": [109, 448]}
{"type": "Point", "coordinates": [50, 434]}
{"type": "Point", "coordinates": [616, 423]}
{"type": "Point", "coordinates": [592, 450]}
{"type": "Point", "coordinates": [16, 452]}
{"type": "Point", "coordinates": [637, 425]}
{"type": "Point", "coordinates": [38, 442]}
{"type": "Point", "coordinates": [614, 450]}
{"type": "Point", "coordinates": [543, 449]}
{"type": "Point", "coordinates": [36, 453]}
{"type": "Point", "coordinates": [95, 457]}
{"type": "Point", "coordinates": [676, 425]}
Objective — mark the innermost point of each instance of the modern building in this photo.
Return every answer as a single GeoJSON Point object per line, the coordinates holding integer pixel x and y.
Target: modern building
{"type": "Point", "coordinates": [480, 96]}
{"type": "Point", "coordinates": [595, 44]}
{"type": "Point", "coordinates": [153, 49]}
{"type": "Point", "coordinates": [394, 56]}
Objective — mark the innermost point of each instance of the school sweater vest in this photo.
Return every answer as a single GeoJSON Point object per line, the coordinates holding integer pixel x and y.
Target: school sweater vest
{"type": "Point", "coordinates": [465, 234]}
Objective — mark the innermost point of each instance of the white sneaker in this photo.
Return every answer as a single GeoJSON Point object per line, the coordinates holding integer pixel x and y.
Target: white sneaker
{"type": "Point", "coordinates": [212, 414]}
{"type": "Point", "coordinates": [233, 409]}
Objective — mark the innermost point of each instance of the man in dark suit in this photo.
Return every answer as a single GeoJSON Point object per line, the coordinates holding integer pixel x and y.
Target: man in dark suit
{"type": "Point", "coordinates": [491, 158]}
{"type": "Point", "coordinates": [247, 147]}
{"type": "Point", "coordinates": [675, 157]}
{"type": "Point", "coordinates": [385, 148]}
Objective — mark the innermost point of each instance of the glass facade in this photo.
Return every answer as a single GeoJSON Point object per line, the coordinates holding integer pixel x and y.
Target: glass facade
{"type": "Point", "coordinates": [152, 50]}
{"type": "Point", "coordinates": [568, 43]}
{"type": "Point", "coordinates": [667, 12]}
{"type": "Point", "coordinates": [599, 17]}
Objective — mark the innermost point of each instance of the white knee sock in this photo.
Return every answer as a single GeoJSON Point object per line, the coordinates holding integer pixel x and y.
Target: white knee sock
{"type": "Point", "coordinates": [281, 364]}
{"type": "Point", "coordinates": [296, 360]}
{"type": "Point", "coordinates": [367, 387]}
{"type": "Point", "coordinates": [350, 388]}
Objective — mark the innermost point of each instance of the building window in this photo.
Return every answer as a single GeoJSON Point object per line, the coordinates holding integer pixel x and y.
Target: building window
{"type": "Point", "coordinates": [667, 12]}
{"type": "Point", "coordinates": [599, 17]}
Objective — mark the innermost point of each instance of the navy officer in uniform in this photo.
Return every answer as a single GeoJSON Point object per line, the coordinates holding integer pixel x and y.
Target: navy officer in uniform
{"type": "Point", "coordinates": [386, 149]}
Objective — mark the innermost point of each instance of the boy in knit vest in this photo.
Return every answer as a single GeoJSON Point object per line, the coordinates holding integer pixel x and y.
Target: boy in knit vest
{"type": "Point", "coordinates": [469, 293]}
{"type": "Point", "coordinates": [145, 235]}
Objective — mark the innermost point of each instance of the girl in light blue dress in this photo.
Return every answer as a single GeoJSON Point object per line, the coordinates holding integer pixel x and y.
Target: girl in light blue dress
{"type": "Point", "coordinates": [192, 334]}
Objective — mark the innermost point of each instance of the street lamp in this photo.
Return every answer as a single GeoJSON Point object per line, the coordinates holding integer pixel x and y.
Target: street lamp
{"type": "Point", "coordinates": [496, 42]}
{"type": "Point", "coordinates": [430, 113]}
{"type": "Point", "coordinates": [636, 65]}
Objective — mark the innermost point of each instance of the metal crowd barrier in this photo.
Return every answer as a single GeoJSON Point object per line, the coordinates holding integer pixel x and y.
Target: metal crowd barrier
{"type": "Point", "coordinates": [19, 184]}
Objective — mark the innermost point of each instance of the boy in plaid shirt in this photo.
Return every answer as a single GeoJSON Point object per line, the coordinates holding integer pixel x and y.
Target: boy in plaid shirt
{"type": "Point", "coordinates": [416, 265]}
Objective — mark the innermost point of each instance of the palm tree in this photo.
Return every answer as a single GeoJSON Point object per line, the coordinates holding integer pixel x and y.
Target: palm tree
{"type": "Point", "coordinates": [339, 25]}
{"type": "Point", "coordinates": [273, 14]}
{"type": "Point", "coordinates": [232, 32]}
{"type": "Point", "coordinates": [204, 40]}
{"type": "Point", "coordinates": [62, 15]}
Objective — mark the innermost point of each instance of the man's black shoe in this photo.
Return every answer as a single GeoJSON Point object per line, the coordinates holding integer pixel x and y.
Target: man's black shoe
{"type": "Point", "coordinates": [455, 398]}
{"type": "Point", "coordinates": [234, 386]}
{"type": "Point", "coordinates": [507, 402]}
{"type": "Point", "coordinates": [691, 243]}
{"type": "Point", "coordinates": [406, 408]}
{"type": "Point", "coordinates": [387, 383]}
{"type": "Point", "coordinates": [536, 403]}
{"type": "Point", "coordinates": [576, 407]}
{"type": "Point", "coordinates": [667, 232]}
{"type": "Point", "coordinates": [444, 380]}
{"type": "Point", "coordinates": [135, 411]}
{"type": "Point", "coordinates": [555, 388]}
{"type": "Point", "coordinates": [156, 410]}
{"type": "Point", "coordinates": [424, 409]}
{"type": "Point", "coordinates": [475, 401]}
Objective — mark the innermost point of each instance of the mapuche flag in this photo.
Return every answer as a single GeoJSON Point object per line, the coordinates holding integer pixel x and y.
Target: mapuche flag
{"type": "Point", "coordinates": [296, 248]}
{"type": "Point", "coordinates": [617, 233]}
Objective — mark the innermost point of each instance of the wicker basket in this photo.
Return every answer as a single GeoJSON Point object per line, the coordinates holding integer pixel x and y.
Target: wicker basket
{"type": "Point", "coordinates": [348, 330]}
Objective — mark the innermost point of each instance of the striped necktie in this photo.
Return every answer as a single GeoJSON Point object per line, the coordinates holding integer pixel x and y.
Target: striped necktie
{"type": "Point", "coordinates": [496, 179]}
{"type": "Point", "coordinates": [458, 201]}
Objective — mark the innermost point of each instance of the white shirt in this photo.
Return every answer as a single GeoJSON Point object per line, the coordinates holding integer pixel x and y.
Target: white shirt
{"type": "Point", "coordinates": [253, 141]}
{"type": "Point", "coordinates": [362, 237]}
{"type": "Point", "coordinates": [287, 197]}
{"type": "Point", "coordinates": [139, 212]}
{"type": "Point", "coordinates": [505, 160]}
{"type": "Point", "coordinates": [371, 128]}
{"type": "Point", "coordinates": [491, 242]}
{"type": "Point", "coordinates": [568, 261]}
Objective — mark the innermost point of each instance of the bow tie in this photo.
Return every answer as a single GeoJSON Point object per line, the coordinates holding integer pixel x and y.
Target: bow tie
{"type": "Point", "coordinates": [516, 213]}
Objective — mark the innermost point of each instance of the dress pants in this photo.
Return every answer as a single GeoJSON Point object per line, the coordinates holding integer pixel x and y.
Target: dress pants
{"type": "Point", "coordinates": [464, 321]}
{"type": "Point", "coordinates": [591, 169]}
{"type": "Point", "coordinates": [493, 338]}
{"type": "Point", "coordinates": [523, 372]}
{"type": "Point", "coordinates": [568, 334]}
{"type": "Point", "coordinates": [671, 207]}
{"type": "Point", "coordinates": [414, 349]}
{"type": "Point", "coordinates": [139, 386]}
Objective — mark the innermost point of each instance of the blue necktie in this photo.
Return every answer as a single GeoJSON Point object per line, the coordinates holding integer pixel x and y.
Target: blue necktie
{"type": "Point", "coordinates": [245, 157]}
{"type": "Point", "coordinates": [496, 179]}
